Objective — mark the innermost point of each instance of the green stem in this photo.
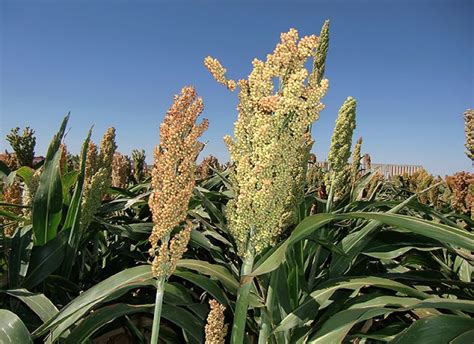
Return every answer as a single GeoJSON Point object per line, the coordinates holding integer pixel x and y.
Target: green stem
{"type": "Point", "coordinates": [330, 199]}
{"type": "Point", "coordinates": [241, 307]}
{"type": "Point", "coordinates": [157, 314]}
{"type": "Point", "coordinates": [317, 254]}
{"type": "Point", "coordinates": [314, 268]}
{"type": "Point", "coordinates": [266, 322]}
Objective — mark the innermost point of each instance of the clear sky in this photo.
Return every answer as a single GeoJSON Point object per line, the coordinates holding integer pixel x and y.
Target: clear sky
{"type": "Point", "coordinates": [118, 63]}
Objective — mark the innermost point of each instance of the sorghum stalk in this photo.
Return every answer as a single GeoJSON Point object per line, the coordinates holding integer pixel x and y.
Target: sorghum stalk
{"type": "Point", "coordinates": [173, 179]}
{"type": "Point", "coordinates": [160, 290]}
{"type": "Point", "coordinates": [270, 149]}
{"type": "Point", "coordinates": [242, 305]}
{"type": "Point", "coordinates": [338, 156]}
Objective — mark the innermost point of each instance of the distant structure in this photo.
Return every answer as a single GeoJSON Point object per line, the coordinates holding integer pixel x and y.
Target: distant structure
{"type": "Point", "coordinates": [37, 159]}
{"type": "Point", "coordinates": [387, 170]}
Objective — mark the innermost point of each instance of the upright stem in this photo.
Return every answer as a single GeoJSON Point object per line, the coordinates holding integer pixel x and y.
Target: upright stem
{"type": "Point", "coordinates": [241, 307]}
{"type": "Point", "coordinates": [330, 199]}
{"type": "Point", "coordinates": [317, 254]}
{"type": "Point", "coordinates": [157, 313]}
{"type": "Point", "coordinates": [268, 320]}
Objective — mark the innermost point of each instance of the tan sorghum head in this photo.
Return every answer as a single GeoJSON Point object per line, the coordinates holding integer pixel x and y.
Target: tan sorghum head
{"type": "Point", "coordinates": [216, 328]}
{"type": "Point", "coordinates": [173, 178]}
{"type": "Point", "coordinates": [11, 195]}
{"type": "Point", "coordinates": [461, 187]}
{"type": "Point", "coordinates": [98, 176]}
{"type": "Point", "coordinates": [121, 169]}
{"type": "Point", "coordinates": [91, 162]}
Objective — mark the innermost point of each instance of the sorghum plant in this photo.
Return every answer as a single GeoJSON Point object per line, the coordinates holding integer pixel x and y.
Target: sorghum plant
{"type": "Point", "coordinates": [12, 196]}
{"type": "Point", "coordinates": [98, 176]}
{"type": "Point", "coordinates": [23, 145]}
{"type": "Point", "coordinates": [10, 160]}
{"type": "Point", "coordinates": [340, 149]}
{"type": "Point", "coordinates": [205, 168]}
{"type": "Point", "coordinates": [461, 195]}
{"type": "Point", "coordinates": [270, 147]}
{"type": "Point", "coordinates": [120, 170]}
{"type": "Point", "coordinates": [355, 166]}
{"type": "Point", "coordinates": [173, 180]}
{"type": "Point", "coordinates": [139, 165]}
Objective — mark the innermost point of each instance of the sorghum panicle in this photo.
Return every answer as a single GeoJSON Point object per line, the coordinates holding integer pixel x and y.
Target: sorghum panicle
{"type": "Point", "coordinates": [11, 195]}
{"type": "Point", "coordinates": [461, 185]}
{"type": "Point", "coordinates": [204, 170]}
{"type": "Point", "coordinates": [98, 176]}
{"type": "Point", "coordinates": [121, 168]}
{"type": "Point", "coordinates": [216, 328]}
{"type": "Point", "coordinates": [139, 165]}
{"type": "Point", "coordinates": [271, 141]}
{"type": "Point", "coordinates": [173, 179]}
{"type": "Point", "coordinates": [23, 145]}
{"type": "Point", "coordinates": [10, 160]}
{"type": "Point", "coordinates": [355, 166]}
{"type": "Point", "coordinates": [63, 159]}
{"type": "Point", "coordinates": [91, 162]}
{"type": "Point", "coordinates": [341, 143]}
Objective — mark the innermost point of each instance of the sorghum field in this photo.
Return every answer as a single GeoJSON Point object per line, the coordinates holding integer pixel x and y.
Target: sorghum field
{"type": "Point", "coordinates": [271, 247]}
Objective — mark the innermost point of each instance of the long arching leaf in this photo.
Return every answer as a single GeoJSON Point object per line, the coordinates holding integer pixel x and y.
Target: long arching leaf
{"type": "Point", "coordinates": [48, 201]}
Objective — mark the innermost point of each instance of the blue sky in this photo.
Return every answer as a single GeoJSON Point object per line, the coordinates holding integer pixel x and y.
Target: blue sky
{"type": "Point", "coordinates": [118, 63]}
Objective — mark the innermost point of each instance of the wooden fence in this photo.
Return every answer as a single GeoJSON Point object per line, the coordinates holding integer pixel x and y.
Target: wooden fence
{"type": "Point", "coordinates": [387, 170]}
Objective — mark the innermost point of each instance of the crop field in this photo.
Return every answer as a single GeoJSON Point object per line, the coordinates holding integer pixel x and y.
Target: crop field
{"type": "Point", "coordinates": [273, 246]}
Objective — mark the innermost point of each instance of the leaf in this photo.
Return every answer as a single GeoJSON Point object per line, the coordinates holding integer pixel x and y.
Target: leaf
{"type": "Point", "coordinates": [107, 290]}
{"type": "Point", "coordinates": [215, 271]}
{"type": "Point", "coordinates": [45, 260]}
{"type": "Point", "coordinates": [101, 317]}
{"type": "Point", "coordinates": [445, 328]}
{"type": "Point", "coordinates": [392, 244]}
{"type": "Point", "coordinates": [176, 294]}
{"type": "Point", "coordinates": [356, 192]}
{"type": "Point", "coordinates": [443, 233]}
{"type": "Point", "coordinates": [204, 283]}
{"type": "Point", "coordinates": [221, 274]}
{"type": "Point", "coordinates": [319, 297]}
{"type": "Point", "coordinates": [186, 320]}
{"type": "Point", "coordinates": [37, 302]}
{"type": "Point", "coordinates": [336, 328]}
{"type": "Point", "coordinates": [48, 201]}
{"type": "Point", "coordinates": [68, 180]}
{"type": "Point", "coordinates": [25, 173]}
{"type": "Point", "coordinates": [354, 243]}
{"type": "Point", "coordinates": [19, 257]}
{"type": "Point", "coordinates": [8, 214]}
{"type": "Point", "coordinates": [213, 211]}
{"type": "Point", "coordinates": [272, 261]}
{"type": "Point", "coordinates": [12, 329]}
{"type": "Point", "coordinates": [4, 170]}
{"type": "Point", "coordinates": [74, 214]}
